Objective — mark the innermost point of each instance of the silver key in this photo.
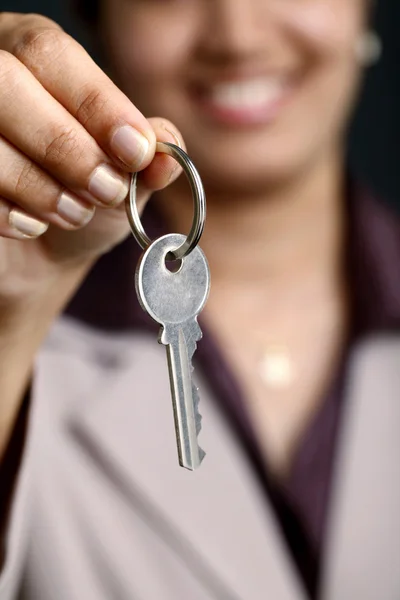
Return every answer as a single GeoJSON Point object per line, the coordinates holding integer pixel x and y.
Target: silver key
{"type": "Point", "coordinates": [175, 300]}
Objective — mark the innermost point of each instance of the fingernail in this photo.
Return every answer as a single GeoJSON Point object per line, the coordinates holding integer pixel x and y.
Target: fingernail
{"type": "Point", "coordinates": [108, 186]}
{"type": "Point", "coordinates": [174, 135]}
{"type": "Point", "coordinates": [73, 211]}
{"type": "Point", "coordinates": [25, 224]}
{"type": "Point", "coordinates": [130, 146]}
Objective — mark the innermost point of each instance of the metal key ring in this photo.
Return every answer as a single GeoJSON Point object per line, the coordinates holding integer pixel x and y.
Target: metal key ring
{"type": "Point", "coordinates": [199, 200]}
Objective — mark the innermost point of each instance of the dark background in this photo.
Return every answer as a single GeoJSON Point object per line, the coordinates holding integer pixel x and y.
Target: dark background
{"type": "Point", "coordinates": [374, 138]}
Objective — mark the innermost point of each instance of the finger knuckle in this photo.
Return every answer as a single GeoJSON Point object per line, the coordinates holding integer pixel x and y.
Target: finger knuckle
{"type": "Point", "coordinates": [40, 45]}
{"type": "Point", "coordinates": [4, 17]}
{"type": "Point", "coordinates": [28, 180]}
{"type": "Point", "coordinates": [63, 146]}
{"type": "Point", "coordinates": [9, 71]}
{"type": "Point", "coordinates": [91, 103]}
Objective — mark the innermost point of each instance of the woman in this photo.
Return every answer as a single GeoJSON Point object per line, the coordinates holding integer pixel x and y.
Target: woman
{"type": "Point", "coordinates": [298, 495]}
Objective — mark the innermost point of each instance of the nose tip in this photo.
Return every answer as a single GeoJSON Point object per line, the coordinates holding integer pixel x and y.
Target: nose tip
{"type": "Point", "coordinates": [234, 27]}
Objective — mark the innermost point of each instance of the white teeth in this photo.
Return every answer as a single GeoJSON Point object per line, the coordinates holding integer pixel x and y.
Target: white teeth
{"type": "Point", "coordinates": [247, 94]}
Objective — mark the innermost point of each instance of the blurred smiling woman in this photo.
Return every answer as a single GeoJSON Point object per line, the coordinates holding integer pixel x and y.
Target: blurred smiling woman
{"type": "Point", "coordinates": [298, 495]}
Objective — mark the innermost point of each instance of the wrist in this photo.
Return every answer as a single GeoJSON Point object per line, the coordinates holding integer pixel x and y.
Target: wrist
{"type": "Point", "coordinates": [31, 310]}
{"type": "Point", "coordinates": [24, 323]}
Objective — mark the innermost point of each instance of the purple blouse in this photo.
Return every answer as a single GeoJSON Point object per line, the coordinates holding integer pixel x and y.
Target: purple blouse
{"type": "Point", "coordinates": [108, 300]}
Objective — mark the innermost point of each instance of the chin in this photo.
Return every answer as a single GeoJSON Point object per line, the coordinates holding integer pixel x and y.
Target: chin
{"type": "Point", "coordinates": [246, 170]}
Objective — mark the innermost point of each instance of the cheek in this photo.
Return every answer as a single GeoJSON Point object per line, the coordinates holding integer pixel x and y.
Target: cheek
{"type": "Point", "coordinates": [326, 31]}
{"type": "Point", "coordinates": [326, 28]}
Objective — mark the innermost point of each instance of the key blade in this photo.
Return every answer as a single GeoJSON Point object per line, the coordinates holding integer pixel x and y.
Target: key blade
{"type": "Point", "coordinates": [193, 335]}
{"type": "Point", "coordinates": [185, 400]}
{"type": "Point", "coordinates": [196, 401]}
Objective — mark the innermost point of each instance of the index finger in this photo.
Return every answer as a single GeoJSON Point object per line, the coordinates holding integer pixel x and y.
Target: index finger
{"type": "Point", "coordinates": [70, 75]}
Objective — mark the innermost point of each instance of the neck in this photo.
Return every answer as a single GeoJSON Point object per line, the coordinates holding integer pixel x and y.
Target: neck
{"type": "Point", "coordinates": [283, 235]}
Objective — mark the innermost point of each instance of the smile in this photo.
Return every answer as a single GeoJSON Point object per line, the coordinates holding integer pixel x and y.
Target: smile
{"type": "Point", "coordinates": [245, 101]}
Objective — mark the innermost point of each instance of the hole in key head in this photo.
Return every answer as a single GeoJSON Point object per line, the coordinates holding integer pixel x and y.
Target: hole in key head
{"type": "Point", "coordinates": [172, 264]}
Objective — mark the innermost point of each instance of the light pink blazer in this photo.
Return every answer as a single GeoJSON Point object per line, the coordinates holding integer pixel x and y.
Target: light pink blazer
{"type": "Point", "coordinates": [102, 510]}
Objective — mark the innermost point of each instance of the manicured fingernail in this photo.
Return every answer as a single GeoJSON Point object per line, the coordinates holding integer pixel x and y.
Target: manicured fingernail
{"type": "Point", "coordinates": [108, 186]}
{"type": "Point", "coordinates": [25, 224]}
{"type": "Point", "coordinates": [73, 211]}
{"type": "Point", "coordinates": [130, 146]}
{"type": "Point", "coordinates": [177, 141]}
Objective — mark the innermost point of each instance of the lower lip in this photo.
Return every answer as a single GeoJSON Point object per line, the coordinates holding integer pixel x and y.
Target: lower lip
{"type": "Point", "coordinates": [261, 114]}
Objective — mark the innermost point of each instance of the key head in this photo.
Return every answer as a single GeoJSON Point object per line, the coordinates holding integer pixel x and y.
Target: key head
{"type": "Point", "coordinates": [172, 298]}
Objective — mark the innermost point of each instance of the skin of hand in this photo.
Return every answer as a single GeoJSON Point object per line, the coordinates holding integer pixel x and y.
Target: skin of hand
{"type": "Point", "coordinates": [68, 140]}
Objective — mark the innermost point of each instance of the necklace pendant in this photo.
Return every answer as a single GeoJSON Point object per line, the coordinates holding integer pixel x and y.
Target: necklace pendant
{"type": "Point", "coordinates": [276, 368]}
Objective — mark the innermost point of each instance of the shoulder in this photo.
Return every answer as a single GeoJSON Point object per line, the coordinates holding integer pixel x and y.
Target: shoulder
{"type": "Point", "coordinates": [373, 259]}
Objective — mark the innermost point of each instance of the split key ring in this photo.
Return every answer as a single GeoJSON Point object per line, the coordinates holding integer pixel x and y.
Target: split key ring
{"type": "Point", "coordinates": [199, 201]}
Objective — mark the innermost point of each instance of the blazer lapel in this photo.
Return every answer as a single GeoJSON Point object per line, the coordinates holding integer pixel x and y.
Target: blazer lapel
{"type": "Point", "coordinates": [218, 514]}
{"type": "Point", "coordinates": [364, 538]}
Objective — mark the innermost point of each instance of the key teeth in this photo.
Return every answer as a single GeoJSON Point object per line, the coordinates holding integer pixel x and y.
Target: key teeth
{"type": "Point", "coordinates": [197, 415]}
{"type": "Point", "coordinates": [166, 337]}
{"type": "Point", "coordinates": [192, 346]}
{"type": "Point", "coordinates": [198, 419]}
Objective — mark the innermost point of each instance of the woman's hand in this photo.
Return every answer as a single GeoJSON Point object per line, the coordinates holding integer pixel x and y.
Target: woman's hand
{"type": "Point", "coordinates": [68, 139]}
